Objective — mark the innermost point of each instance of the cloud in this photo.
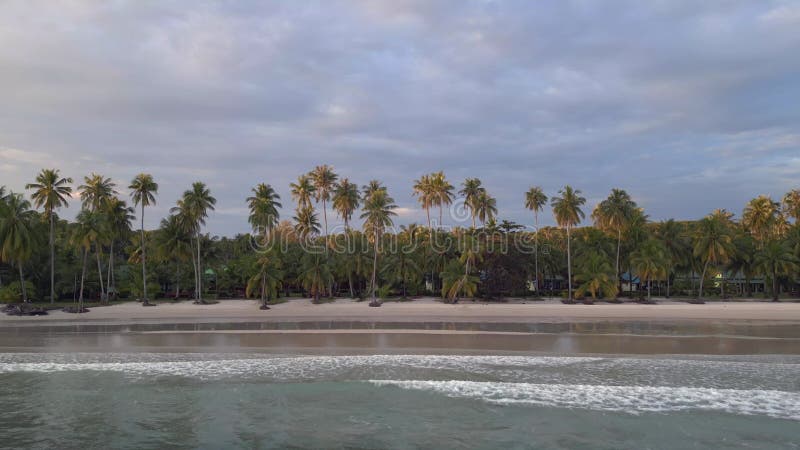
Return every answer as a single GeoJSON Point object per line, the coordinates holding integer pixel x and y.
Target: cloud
{"type": "Point", "coordinates": [664, 99]}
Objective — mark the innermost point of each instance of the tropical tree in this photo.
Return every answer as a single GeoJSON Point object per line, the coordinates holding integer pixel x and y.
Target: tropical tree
{"type": "Point", "coordinates": [486, 207]}
{"type": "Point", "coordinates": [143, 192]}
{"type": "Point", "coordinates": [268, 277]}
{"type": "Point", "coordinates": [673, 238]}
{"type": "Point", "coordinates": [324, 180]}
{"type": "Point", "coordinates": [303, 191]}
{"type": "Point", "coordinates": [791, 205]}
{"type": "Point", "coordinates": [455, 282]}
{"type": "Point", "coordinates": [174, 243]}
{"type": "Point", "coordinates": [90, 227]}
{"type": "Point", "coordinates": [595, 276]}
{"type": "Point", "coordinates": [196, 203]}
{"type": "Point", "coordinates": [471, 253]}
{"type": "Point", "coordinates": [346, 200]}
{"type": "Point", "coordinates": [378, 211]}
{"type": "Point", "coordinates": [650, 261]}
{"type": "Point", "coordinates": [471, 190]}
{"type": "Point", "coordinates": [403, 263]}
{"type": "Point", "coordinates": [119, 217]}
{"type": "Point", "coordinates": [614, 214]}
{"type": "Point", "coordinates": [372, 187]}
{"type": "Point", "coordinates": [713, 243]}
{"type": "Point", "coordinates": [761, 217]}
{"type": "Point", "coordinates": [776, 258]}
{"type": "Point", "coordinates": [316, 275]}
{"type": "Point", "coordinates": [17, 238]}
{"type": "Point", "coordinates": [307, 224]}
{"type": "Point", "coordinates": [442, 193]}
{"type": "Point", "coordinates": [423, 190]}
{"type": "Point", "coordinates": [568, 213]}
{"type": "Point", "coordinates": [96, 193]}
{"type": "Point", "coordinates": [50, 192]}
{"type": "Point", "coordinates": [536, 200]}
{"type": "Point", "coordinates": [264, 204]}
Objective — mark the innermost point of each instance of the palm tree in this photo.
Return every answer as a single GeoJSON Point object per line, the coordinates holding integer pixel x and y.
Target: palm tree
{"type": "Point", "coordinates": [791, 205]}
{"type": "Point", "coordinates": [442, 192]}
{"type": "Point", "coordinates": [96, 194]}
{"type": "Point", "coordinates": [307, 224]}
{"type": "Point", "coordinates": [486, 207]}
{"type": "Point", "coordinates": [595, 275]}
{"type": "Point", "coordinates": [403, 263]}
{"type": "Point", "coordinates": [197, 202]}
{"type": "Point", "coordinates": [536, 200]}
{"type": "Point", "coordinates": [776, 258]}
{"type": "Point", "coordinates": [671, 235]}
{"type": "Point", "coordinates": [303, 191]}
{"type": "Point", "coordinates": [346, 200]}
{"type": "Point", "coordinates": [423, 190]}
{"type": "Point", "coordinates": [174, 242]}
{"type": "Point", "coordinates": [324, 179]}
{"type": "Point", "coordinates": [614, 214]}
{"type": "Point", "coordinates": [143, 192]}
{"type": "Point", "coordinates": [268, 277]}
{"type": "Point", "coordinates": [119, 217]}
{"type": "Point", "coordinates": [316, 274]}
{"type": "Point", "coordinates": [89, 228]}
{"type": "Point", "coordinates": [761, 217]}
{"type": "Point", "coordinates": [16, 234]}
{"type": "Point", "coordinates": [471, 190]}
{"type": "Point", "coordinates": [454, 281]}
{"type": "Point", "coordinates": [264, 206]}
{"type": "Point", "coordinates": [51, 192]}
{"type": "Point", "coordinates": [378, 211]}
{"type": "Point", "coordinates": [650, 260]}
{"type": "Point", "coordinates": [372, 187]}
{"type": "Point", "coordinates": [471, 254]}
{"type": "Point", "coordinates": [568, 214]}
{"type": "Point", "coordinates": [712, 243]}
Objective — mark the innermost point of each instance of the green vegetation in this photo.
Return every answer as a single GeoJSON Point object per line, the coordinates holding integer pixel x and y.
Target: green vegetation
{"type": "Point", "coordinates": [621, 254]}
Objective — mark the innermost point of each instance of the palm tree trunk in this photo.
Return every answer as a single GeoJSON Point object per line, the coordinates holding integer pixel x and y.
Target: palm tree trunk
{"type": "Point", "coordinates": [100, 272]}
{"type": "Point", "coordinates": [263, 288]}
{"type": "Point", "coordinates": [619, 244]}
{"type": "Point", "coordinates": [22, 283]}
{"type": "Point", "coordinates": [110, 267]}
{"type": "Point", "coordinates": [199, 272]}
{"type": "Point", "coordinates": [774, 285]}
{"type": "Point", "coordinates": [536, 249]}
{"type": "Point", "coordinates": [52, 259]}
{"type": "Point", "coordinates": [144, 261]}
{"type": "Point", "coordinates": [441, 209]}
{"type": "Point", "coordinates": [350, 282]}
{"type": "Point", "coordinates": [325, 221]}
{"type": "Point", "coordinates": [669, 271]}
{"type": "Point", "coordinates": [648, 288]}
{"type": "Point", "coordinates": [375, 266]}
{"type": "Point", "coordinates": [702, 277]}
{"type": "Point", "coordinates": [83, 276]}
{"type": "Point", "coordinates": [569, 266]}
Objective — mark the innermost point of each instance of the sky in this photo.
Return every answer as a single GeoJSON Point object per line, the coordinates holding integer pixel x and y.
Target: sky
{"type": "Point", "coordinates": [689, 106]}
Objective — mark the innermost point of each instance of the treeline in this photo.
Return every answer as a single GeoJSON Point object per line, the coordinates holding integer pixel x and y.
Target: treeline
{"type": "Point", "coordinates": [100, 255]}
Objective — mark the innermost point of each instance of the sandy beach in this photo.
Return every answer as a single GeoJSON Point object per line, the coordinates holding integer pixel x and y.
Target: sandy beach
{"type": "Point", "coordinates": [427, 309]}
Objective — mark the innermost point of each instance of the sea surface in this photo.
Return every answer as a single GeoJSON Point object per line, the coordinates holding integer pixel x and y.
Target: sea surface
{"type": "Point", "coordinates": [139, 400]}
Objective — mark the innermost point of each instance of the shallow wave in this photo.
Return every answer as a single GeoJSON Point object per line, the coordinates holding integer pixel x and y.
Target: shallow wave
{"type": "Point", "coordinates": [629, 399]}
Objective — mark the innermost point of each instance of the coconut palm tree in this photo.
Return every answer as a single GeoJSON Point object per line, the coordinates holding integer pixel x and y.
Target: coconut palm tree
{"type": "Point", "coordinates": [268, 277]}
{"type": "Point", "coordinates": [791, 205]}
{"type": "Point", "coordinates": [455, 282]}
{"type": "Point", "coordinates": [143, 192]}
{"type": "Point", "coordinates": [423, 190]}
{"type": "Point", "coordinates": [471, 189]}
{"type": "Point", "coordinates": [378, 211]}
{"type": "Point", "coordinates": [316, 274]}
{"type": "Point", "coordinates": [90, 227]}
{"type": "Point", "coordinates": [442, 193]}
{"type": "Point", "coordinates": [536, 200]}
{"type": "Point", "coordinates": [303, 191]}
{"type": "Point", "coordinates": [96, 193]}
{"type": "Point", "coordinates": [16, 234]}
{"type": "Point", "coordinates": [307, 224]}
{"type": "Point", "coordinates": [50, 192]}
{"type": "Point", "coordinates": [372, 187]}
{"type": "Point", "coordinates": [346, 200]}
{"type": "Point", "coordinates": [119, 217]}
{"type": "Point", "coordinates": [761, 217]}
{"type": "Point", "coordinates": [471, 253]}
{"type": "Point", "coordinates": [614, 214]}
{"type": "Point", "coordinates": [568, 213]}
{"type": "Point", "coordinates": [174, 242]}
{"type": "Point", "coordinates": [650, 261]}
{"type": "Point", "coordinates": [197, 202]}
{"type": "Point", "coordinates": [486, 207]}
{"type": "Point", "coordinates": [673, 238]}
{"type": "Point", "coordinates": [403, 263]}
{"type": "Point", "coordinates": [595, 275]}
{"type": "Point", "coordinates": [324, 180]}
{"type": "Point", "coordinates": [713, 243]}
{"type": "Point", "coordinates": [264, 204]}
{"type": "Point", "coordinates": [776, 258]}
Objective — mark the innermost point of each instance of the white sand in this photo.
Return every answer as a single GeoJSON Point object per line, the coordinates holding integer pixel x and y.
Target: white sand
{"type": "Point", "coordinates": [426, 309]}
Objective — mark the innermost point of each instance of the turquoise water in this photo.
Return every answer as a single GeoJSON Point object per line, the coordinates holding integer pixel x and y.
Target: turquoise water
{"type": "Point", "coordinates": [194, 400]}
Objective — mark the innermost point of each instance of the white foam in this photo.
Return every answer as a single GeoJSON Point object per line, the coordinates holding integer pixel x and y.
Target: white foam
{"type": "Point", "coordinates": [630, 399]}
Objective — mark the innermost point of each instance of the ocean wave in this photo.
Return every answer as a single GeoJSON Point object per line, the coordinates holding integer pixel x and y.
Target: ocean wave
{"type": "Point", "coordinates": [629, 399]}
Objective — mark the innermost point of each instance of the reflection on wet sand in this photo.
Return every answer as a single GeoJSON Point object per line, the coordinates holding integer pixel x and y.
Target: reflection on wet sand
{"type": "Point", "coordinates": [627, 337]}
